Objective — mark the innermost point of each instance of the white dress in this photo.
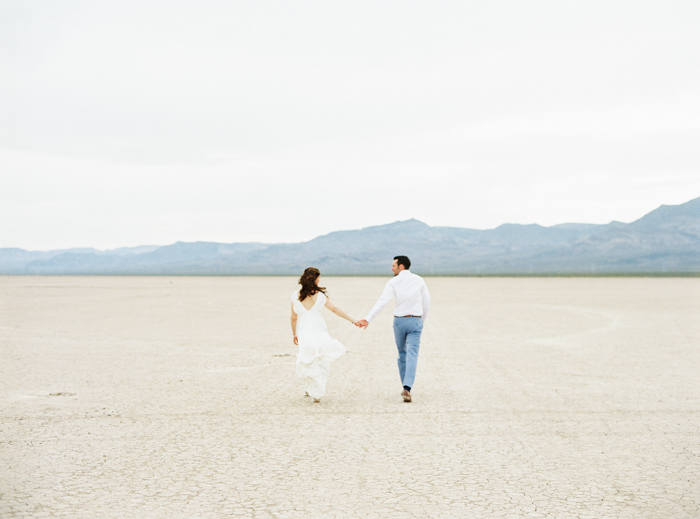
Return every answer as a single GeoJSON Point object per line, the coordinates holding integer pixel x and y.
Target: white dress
{"type": "Point", "coordinates": [317, 349]}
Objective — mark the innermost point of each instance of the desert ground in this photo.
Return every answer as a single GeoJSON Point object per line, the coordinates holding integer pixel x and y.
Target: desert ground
{"type": "Point", "coordinates": [177, 397]}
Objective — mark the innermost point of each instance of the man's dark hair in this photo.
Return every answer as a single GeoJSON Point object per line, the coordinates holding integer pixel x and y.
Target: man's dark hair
{"type": "Point", "coordinates": [403, 260]}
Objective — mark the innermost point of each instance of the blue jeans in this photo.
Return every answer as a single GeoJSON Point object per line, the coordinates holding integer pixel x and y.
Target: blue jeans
{"type": "Point", "coordinates": [407, 331]}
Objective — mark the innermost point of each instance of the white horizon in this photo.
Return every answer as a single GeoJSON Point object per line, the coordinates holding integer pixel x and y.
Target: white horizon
{"type": "Point", "coordinates": [147, 245]}
{"type": "Point", "coordinates": [274, 122]}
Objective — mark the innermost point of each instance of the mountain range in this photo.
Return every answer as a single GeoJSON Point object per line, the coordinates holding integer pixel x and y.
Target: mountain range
{"type": "Point", "coordinates": [667, 240]}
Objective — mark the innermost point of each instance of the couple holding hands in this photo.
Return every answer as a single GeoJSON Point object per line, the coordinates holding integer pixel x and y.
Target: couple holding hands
{"type": "Point", "coordinates": [317, 349]}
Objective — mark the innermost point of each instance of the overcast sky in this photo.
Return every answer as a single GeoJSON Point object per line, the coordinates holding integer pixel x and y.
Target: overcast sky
{"type": "Point", "coordinates": [125, 123]}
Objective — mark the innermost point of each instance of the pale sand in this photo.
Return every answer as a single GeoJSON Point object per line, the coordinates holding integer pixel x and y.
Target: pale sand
{"type": "Point", "coordinates": [177, 397]}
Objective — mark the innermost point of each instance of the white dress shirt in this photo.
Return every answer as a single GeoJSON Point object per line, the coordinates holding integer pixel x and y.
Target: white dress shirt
{"type": "Point", "coordinates": [412, 296]}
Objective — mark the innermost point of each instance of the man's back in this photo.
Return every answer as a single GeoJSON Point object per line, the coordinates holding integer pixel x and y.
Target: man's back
{"type": "Point", "coordinates": [411, 293]}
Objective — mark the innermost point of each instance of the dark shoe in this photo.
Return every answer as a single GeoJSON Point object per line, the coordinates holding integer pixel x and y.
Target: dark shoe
{"type": "Point", "coordinates": [406, 394]}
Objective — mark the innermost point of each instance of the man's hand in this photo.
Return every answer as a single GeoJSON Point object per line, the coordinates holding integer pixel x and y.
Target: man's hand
{"type": "Point", "coordinates": [362, 323]}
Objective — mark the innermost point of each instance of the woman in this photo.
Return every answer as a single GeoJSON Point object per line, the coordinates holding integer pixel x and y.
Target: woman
{"type": "Point", "coordinates": [317, 349]}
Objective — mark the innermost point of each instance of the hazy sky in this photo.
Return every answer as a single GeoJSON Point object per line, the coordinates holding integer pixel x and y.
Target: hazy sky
{"type": "Point", "coordinates": [141, 122]}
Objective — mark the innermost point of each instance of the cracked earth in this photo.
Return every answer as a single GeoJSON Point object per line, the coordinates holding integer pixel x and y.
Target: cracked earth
{"type": "Point", "coordinates": [176, 397]}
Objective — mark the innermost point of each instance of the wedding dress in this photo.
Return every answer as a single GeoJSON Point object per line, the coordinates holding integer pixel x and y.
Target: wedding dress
{"type": "Point", "coordinates": [317, 349]}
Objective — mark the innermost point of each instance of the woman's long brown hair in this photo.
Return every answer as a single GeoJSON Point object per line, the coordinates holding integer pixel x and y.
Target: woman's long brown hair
{"type": "Point", "coordinates": [308, 283]}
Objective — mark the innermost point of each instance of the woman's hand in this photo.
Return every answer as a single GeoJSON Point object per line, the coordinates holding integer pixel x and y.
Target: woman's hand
{"type": "Point", "coordinates": [293, 320]}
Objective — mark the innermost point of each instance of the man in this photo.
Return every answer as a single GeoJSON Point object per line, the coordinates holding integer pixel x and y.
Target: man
{"type": "Point", "coordinates": [410, 312]}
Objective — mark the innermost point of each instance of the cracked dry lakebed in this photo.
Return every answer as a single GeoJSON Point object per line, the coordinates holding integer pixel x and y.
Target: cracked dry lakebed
{"type": "Point", "coordinates": [177, 397]}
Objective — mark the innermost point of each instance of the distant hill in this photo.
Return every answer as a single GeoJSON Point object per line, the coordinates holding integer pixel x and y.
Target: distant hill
{"type": "Point", "coordinates": [667, 240]}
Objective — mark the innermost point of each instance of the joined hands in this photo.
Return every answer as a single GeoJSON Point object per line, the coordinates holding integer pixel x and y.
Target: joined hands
{"type": "Point", "coordinates": [362, 323]}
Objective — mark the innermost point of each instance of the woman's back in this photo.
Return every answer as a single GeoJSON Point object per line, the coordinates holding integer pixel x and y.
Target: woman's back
{"type": "Point", "coordinates": [310, 319]}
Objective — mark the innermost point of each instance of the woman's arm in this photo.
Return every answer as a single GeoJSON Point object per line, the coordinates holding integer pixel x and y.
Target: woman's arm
{"type": "Point", "coordinates": [294, 326]}
{"type": "Point", "coordinates": [337, 311]}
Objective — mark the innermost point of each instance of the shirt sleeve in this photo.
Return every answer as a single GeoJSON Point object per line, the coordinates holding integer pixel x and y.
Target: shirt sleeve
{"type": "Point", "coordinates": [384, 299]}
{"type": "Point", "coordinates": [425, 295]}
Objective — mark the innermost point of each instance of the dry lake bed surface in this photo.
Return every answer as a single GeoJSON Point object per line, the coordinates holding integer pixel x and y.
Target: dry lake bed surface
{"type": "Point", "coordinates": [176, 397]}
